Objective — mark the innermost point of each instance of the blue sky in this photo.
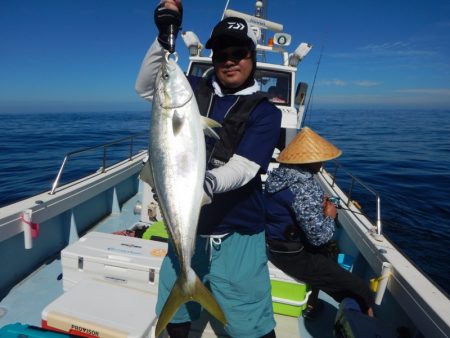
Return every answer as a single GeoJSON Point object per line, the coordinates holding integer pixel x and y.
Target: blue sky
{"type": "Point", "coordinates": [83, 55]}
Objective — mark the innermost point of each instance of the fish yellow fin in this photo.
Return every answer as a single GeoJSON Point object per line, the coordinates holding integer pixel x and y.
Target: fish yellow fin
{"type": "Point", "coordinates": [146, 174]}
{"type": "Point", "coordinates": [203, 296]}
{"type": "Point", "coordinates": [175, 300]}
{"type": "Point", "coordinates": [178, 297]}
{"type": "Point", "coordinates": [206, 199]}
{"type": "Point", "coordinates": [208, 125]}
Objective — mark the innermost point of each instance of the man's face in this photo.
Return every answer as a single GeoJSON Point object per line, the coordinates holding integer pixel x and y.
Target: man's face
{"type": "Point", "coordinates": [233, 65]}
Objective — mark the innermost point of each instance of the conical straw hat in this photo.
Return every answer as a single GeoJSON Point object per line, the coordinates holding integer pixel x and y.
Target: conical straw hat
{"type": "Point", "coordinates": [308, 147]}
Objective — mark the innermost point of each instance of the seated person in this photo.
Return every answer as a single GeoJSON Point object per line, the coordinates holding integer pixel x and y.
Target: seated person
{"type": "Point", "coordinates": [300, 224]}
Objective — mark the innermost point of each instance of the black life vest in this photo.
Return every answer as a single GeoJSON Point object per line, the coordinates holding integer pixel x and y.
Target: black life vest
{"type": "Point", "coordinates": [234, 124]}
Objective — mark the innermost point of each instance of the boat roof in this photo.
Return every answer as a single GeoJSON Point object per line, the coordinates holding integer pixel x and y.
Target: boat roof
{"type": "Point", "coordinates": [276, 44]}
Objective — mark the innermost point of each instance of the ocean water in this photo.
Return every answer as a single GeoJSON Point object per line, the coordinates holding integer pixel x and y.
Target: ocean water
{"type": "Point", "coordinates": [33, 146]}
{"type": "Point", "coordinates": [404, 155]}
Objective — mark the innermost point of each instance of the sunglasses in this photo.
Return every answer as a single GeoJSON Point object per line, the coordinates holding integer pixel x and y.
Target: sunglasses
{"type": "Point", "coordinates": [234, 55]}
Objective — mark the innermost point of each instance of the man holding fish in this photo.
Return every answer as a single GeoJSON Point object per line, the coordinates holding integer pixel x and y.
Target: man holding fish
{"type": "Point", "coordinates": [209, 188]}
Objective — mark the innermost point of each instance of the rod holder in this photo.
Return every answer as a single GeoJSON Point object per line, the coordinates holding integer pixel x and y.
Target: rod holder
{"type": "Point", "coordinates": [30, 230]}
{"type": "Point", "coordinates": [379, 284]}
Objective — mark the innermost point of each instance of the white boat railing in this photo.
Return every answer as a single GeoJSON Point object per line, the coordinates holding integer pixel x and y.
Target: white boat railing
{"type": "Point", "coordinates": [338, 166]}
{"type": "Point", "coordinates": [104, 159]}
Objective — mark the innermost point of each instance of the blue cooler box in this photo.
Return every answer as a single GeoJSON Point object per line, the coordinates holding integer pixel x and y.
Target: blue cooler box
{"type": "Point", "coordinates": [20, 331]}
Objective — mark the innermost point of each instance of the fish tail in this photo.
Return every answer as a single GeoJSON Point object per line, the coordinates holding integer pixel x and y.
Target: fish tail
{"type": "Point", "coordinates": [178, 297]}
{"type": "Point", "coordinates": [203, 296]}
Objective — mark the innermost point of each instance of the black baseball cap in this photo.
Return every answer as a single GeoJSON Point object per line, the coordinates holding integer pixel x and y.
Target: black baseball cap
{"type": "Point", "coordinates": [232, 28]}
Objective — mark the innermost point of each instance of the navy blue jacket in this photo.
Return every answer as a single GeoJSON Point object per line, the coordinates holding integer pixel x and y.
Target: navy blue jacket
{"type": "Point", "coordinates": [242, 210]}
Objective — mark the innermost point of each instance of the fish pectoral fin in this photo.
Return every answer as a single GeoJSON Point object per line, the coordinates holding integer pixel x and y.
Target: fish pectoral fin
{"type": "Point", "coordinates": [146, 174]}
{"type": "Point", "coordinates": [208, 124]}
{"type": "Point", "coordinates": [206, 199]}
{"type": "Point", "coordinates": [203, 296]}
{"type": "Point", "coordinates": [178, 297]}
{"type": "Point", "coordinates": [177, 121]}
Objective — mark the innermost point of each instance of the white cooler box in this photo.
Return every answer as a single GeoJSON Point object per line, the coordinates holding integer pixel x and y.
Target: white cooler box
{"type": "Point", "coordinates": [127, 261]}
{"type": "Point", "coordinates": [102, 309]}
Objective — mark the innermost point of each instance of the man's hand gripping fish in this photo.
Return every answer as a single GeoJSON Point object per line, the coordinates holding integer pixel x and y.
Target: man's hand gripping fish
{"type": "Point", "coordinates": [176, 171]}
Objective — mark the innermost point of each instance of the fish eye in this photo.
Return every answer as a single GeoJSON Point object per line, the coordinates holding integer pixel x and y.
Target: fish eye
{"type": "Point", "coordinates": [165, 76]}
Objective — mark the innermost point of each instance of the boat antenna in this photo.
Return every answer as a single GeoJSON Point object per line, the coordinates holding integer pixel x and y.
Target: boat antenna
{"type": "Point", "coordinates": [261, 12]}
{"type": "Point", "coordinates": [312, 88]}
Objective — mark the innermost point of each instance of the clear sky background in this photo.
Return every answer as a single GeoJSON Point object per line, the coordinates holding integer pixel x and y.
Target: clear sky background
{"type": "Point", "coordinates": [84, 55]}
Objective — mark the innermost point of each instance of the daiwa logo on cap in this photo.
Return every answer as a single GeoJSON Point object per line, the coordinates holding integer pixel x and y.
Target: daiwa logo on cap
{"type": "Point", "coordinates": [236, 25]}
{"type": "Point", "coordinates": [232, 28]}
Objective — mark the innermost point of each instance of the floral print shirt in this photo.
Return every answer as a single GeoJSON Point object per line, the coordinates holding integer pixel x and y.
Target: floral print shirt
{"type": "Point", "coordinates": [293, 196]}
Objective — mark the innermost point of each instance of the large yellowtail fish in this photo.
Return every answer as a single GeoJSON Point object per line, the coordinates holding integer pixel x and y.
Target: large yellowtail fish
{"type": "Point", "coordinates": [176, 170]}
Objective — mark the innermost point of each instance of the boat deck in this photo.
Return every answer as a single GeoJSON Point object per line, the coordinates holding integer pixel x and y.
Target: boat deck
{"type": "Point", "coordinates": [25, 302]}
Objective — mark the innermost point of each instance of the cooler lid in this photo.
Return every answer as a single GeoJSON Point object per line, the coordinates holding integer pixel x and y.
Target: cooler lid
{"type": "Point", "coordinates": [124, 251]}
{"type": "Point", "coordinates": [278, 274]}
{"type": "Point", "coordinates": [103, 308]}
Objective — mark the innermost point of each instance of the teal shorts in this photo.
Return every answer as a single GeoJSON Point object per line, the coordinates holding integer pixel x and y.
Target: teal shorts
{"type": "Point", "coordinates": [237, 274]}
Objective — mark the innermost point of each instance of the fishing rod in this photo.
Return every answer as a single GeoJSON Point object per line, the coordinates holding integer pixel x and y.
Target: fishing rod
{"type": "Point", "coordinates": [226, 6]}
{"type": "Point", "coordinates": [312, 88]}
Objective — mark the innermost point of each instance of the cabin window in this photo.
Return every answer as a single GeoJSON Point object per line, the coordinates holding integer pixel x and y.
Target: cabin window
{"type": "Point", "coordinates": [200, 69]}
{"type": "Point", "coordinates": [274, 84]}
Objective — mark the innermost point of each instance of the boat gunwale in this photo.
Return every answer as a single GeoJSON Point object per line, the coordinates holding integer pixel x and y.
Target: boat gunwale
{"type": "Point", "coordinates": [45, 206]}
{"type": "Point", "coordinates": [412, 289]}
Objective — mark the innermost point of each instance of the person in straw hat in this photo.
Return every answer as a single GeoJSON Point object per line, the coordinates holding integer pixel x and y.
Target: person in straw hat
{"type": "Point", "coordinates": [300, 222]}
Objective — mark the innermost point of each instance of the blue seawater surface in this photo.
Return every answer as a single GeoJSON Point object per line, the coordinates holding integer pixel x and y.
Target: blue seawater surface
{"type": "Point", "coordinates": [404, 155]}
{"type": "Point", "coordinates": [33, 146]}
